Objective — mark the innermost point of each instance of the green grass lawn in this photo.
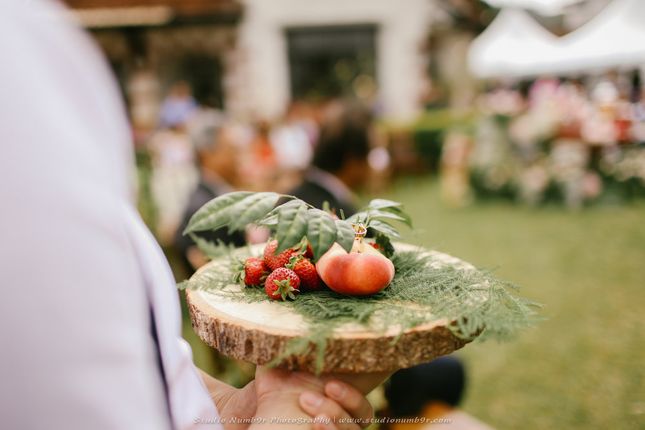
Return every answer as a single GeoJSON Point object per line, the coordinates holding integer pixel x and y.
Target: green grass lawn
{"type": "Point", "coordinates": [582, 368]}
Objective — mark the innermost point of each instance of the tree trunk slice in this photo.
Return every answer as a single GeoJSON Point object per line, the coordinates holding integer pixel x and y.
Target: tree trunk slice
{"type": "Point", "coordinates": [258, 332]}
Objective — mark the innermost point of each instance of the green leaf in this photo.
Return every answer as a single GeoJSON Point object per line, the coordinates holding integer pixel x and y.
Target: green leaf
{"type": "Point", "coordinates": [321, 231]}
{"type": "Point", "coordinates": [253, 208]}
{"type": "Point", "coordinates": [386, 215]}
{"type": "Point", "coordinates": [292, 224]}
{"type": "Point", "coordinates": [407, 219]}
{"type": "Point", "coordinates": [379, 206]}
{"type": "Point", "coordinates": [271, 220]}
{"type": "Point", "coordinates": [345, 234]}
{"type": "Point", "coordinates": [382, 204]}
{"type": "Point", "coordinates": [235, 210]}
{"type": "Point", "coordinates": [384, 228]}
{"type": "Point", "coordinates": [358, 217]}
{"type": "Point", "coordinates": [386, 245]}
{"type": "Point", "coordinates": [216, 213]}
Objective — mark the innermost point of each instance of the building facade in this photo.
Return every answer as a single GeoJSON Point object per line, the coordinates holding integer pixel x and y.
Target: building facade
{"type": "Point", "coordinates": [253, 57]}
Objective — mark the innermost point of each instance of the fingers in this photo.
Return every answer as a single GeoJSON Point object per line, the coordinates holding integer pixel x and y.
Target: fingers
{"type": "Point", "coordinates": [323, 422]}
{"type": "Point", "coordinates": [327, 413]}
{"type": "Point", "coordinates": [351, 400]}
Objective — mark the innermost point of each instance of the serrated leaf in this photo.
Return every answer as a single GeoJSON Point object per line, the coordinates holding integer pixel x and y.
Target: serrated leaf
{"type": "Point", "coordinates": [277, 209]}
{"type": "Point", "coordinates": [270, 220]}
{"type": "Point", "coordinates": [345, 234]}
{"type": "Point", "coordinates": [292, 224]}
{"type": "Point", "coordinates": [215, 214]}
{"type": "Point", "coordinates": [382, 204]}
{"type": "Point", "coordinates": [251, 209]}
{"type": "Point", "coordinates": [407, 220]}
{"type": "Point", "coordinates": [357, 217]}
{"type": "Point", "coordinates": [386, 215]}
{"type": "Point", "coordinates": [321, 231]}
{"type": "Point", "coordinates": [384, 228]}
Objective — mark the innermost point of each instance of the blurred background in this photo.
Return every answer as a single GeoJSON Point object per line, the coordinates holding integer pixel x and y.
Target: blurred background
{"type": "Point", "coordinates": [512, 130]}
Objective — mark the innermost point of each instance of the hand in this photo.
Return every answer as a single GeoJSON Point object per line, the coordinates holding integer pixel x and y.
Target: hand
{"type": "Point", "coordinates": [297, 395]}
{"type": "Point", "coordinates": [342, 407]}
{"type": "Point", "coordinates": [232, 402]}
{"type": "Point", "coordinates": [331, 403]}
{"type": "Point", "coordinates": [347, 391]}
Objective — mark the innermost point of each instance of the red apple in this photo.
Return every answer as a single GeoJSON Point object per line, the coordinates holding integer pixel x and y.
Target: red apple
{"type": "Point", "coordinates": [361, 272]}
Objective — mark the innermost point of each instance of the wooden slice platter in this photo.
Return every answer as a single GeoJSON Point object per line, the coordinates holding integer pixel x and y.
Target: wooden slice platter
{"type": "Point", "coordinates": [258, 332]}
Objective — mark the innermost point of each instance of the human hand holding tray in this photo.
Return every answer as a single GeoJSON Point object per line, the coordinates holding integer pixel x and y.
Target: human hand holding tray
{"type": "Point", "coordinates": [434, 304]}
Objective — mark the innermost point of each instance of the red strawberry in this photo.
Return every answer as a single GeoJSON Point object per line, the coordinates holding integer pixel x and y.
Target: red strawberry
{"type": "Point", "coordinates": [255, 271]}
{"type": "Point", "coordinates": [274, 261]}
{"type": "Point", "coordinates": [376, 246]}
{"type": "Point", "coordinates": [309, 253]}
{"type": "Point", "coordinates": [306, 271]}
{"type": "Point", "coordinates": [281, 284]}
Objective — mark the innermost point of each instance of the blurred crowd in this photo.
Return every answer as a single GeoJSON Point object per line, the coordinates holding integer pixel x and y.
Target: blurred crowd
{"type": "Point", "coordinates": [571, 140]}
{"type": "Point", "coordinates": [321, 152]}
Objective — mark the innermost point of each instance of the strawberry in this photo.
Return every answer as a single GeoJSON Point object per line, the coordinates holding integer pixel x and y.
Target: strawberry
{"type": "Point", "coordinates": [255, 271]}
{"type": "Point", "coordinates": [281, 284]}
{"type": "Point", "coordinates": [376, 246]}
{"type": "Point", "coordinates": [274, 261]}
{"type": "Point", "coordinates": [306, 271]}
{"type": "Point", "coordinates": [309, 253]}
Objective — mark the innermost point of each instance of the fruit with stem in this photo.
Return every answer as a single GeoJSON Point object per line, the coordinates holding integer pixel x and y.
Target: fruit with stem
{"type": "Point", "coordinates": [361, 272]}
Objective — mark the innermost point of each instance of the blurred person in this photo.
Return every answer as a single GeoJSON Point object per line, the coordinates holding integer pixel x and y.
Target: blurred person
{"type": "Point", "coordinates": [293, 147]}
{"type": "Point", "coordinates": [340, 163]}
{"type": "Point", "coordinates": [302, 114]}
{"type": "Point", "coordinates": [90, 327]}
{"type": "Point", "coordinates": [638, 127]}
{"type": "Point", "coordinates": [218, 167]}
{"type": "Point", "coordinates": [259, 167]}
{"type": "Point", "coordinates": [454, 174]}
{"type": "Point", "coordinates": [178, 106]}
{"type": "Point", "coordinates": [432, 392]}
{"type": "Point", "coordinates": [174, 174]}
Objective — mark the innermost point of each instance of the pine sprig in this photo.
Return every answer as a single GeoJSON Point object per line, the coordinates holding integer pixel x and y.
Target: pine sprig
{"type": "Point", "coordinates": [211, 249]}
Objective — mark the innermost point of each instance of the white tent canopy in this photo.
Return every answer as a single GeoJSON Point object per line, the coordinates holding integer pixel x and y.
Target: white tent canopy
{"type": "Point", "coordinates": [543, 7]}
{"type": "Point", "coordinates": [515, 45]}
{"type": "Point", "coordinates": [510, 46]}
{"type": "Point", "coordinates": [614, 38]}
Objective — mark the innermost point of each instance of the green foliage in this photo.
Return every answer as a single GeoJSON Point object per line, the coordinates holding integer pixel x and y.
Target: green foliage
{"type": "Point", "coordinates": [211, 249]}
{"type": "Point", "coordinates": [383, 228]}
{"type": "Point", "coordinates": [385, 244]}
{"type": "Point", "coordinates": [292, 224]}
{"type": "Point", "coordinates": [344, 234]}
{"type": "Point", "coordinates": [251, 209]}
{"type": "Point", "coordinates": [321, 232]}
{"type": "Point", "coordinates": [235, 210]}
{"type": "Point", "coordinates": [213, 277]}
{"type": "Point", "coordinates": [378, 217]}
{"type": "Point", "coordinates": [473, 300]}
{"type": "Point", "coordinates": [294, 220]}
{"type": "Point", "coordinates": [217, 213]}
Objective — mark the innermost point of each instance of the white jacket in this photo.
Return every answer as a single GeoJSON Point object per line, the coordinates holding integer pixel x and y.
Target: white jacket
{"type": "Point", "coordinates": [80, 274]}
